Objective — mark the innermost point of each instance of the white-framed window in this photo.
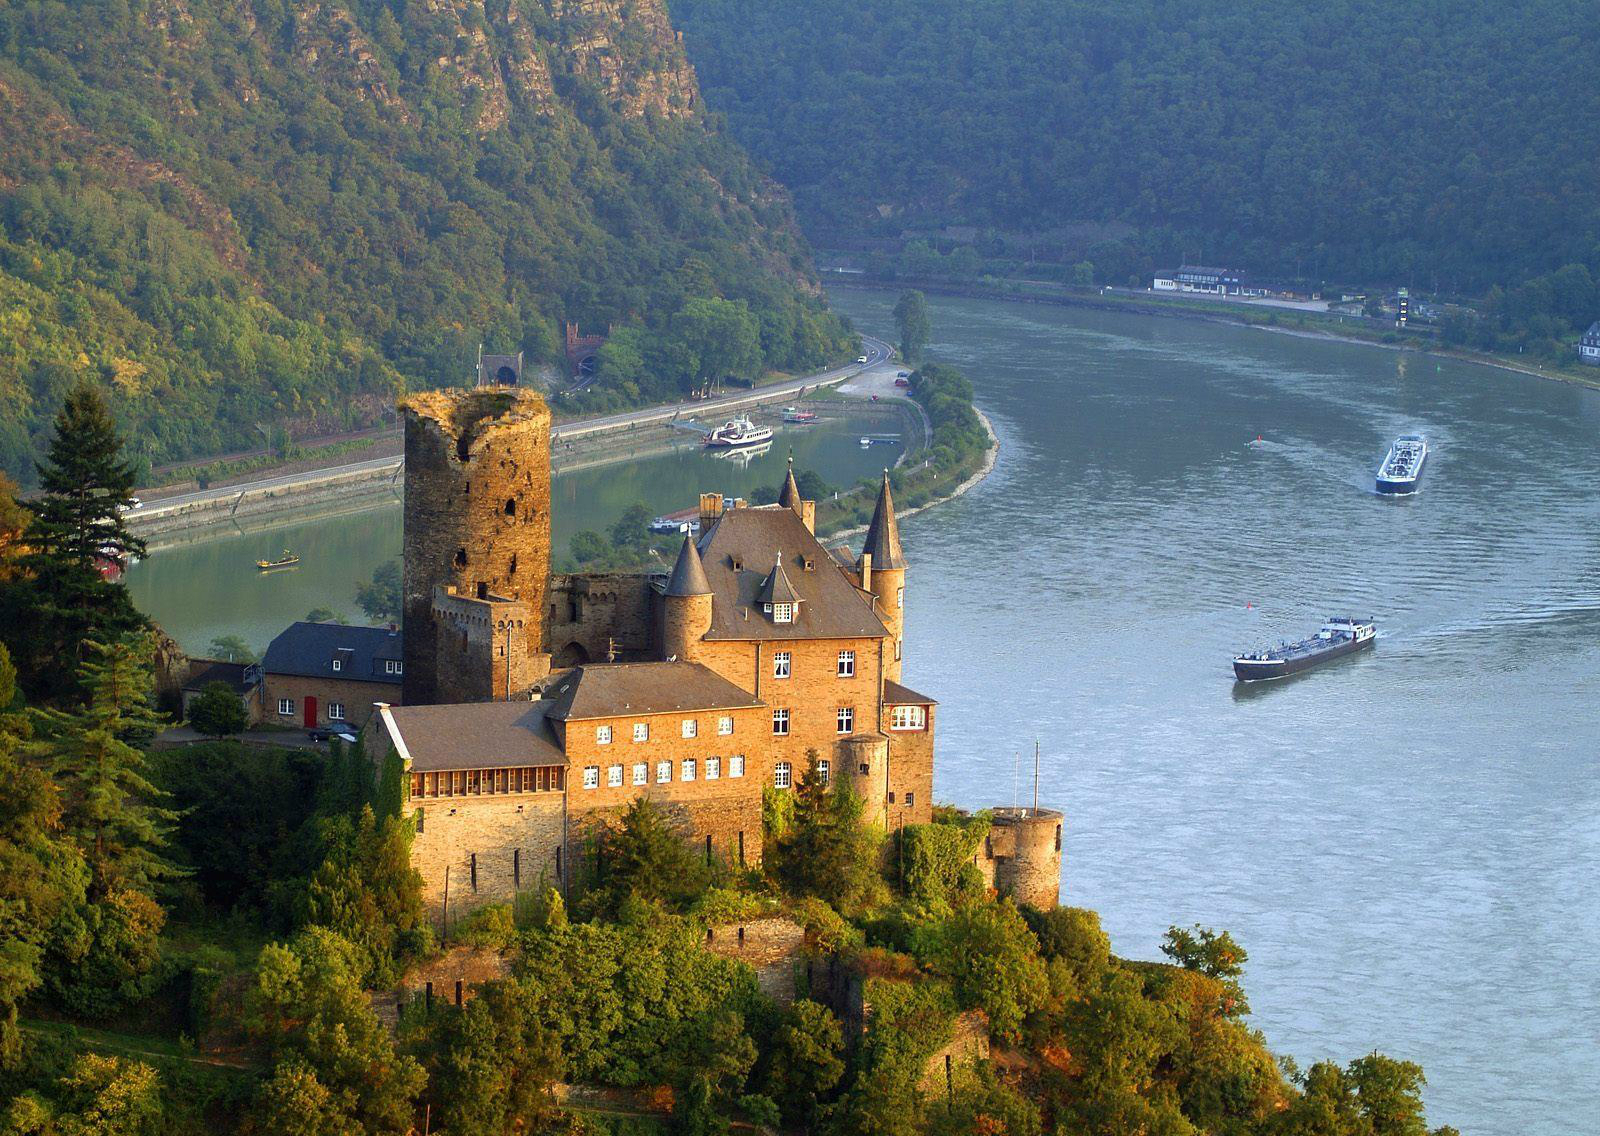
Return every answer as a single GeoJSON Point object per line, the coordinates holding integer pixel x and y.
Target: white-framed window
{"type": "Point", "coordinates": [614, 776]}
{"type": "Point", "coordinates": [641, 773]}
{"type": "Point", "coordinates": [691, 727]}
{"type": "Point", "coordinates": [663, 772]}
{"type": "Point", "coordinates": [286, 707]}
{"type": "Point", "coordinates": [602, 735]}
{"type": "Point", "coordinates": [780, 664]}
{"type": "Point", "coordinates": [782, 775]}
{"type": "Point", "coordinates": [783, 613]}
{"type": "Point", "coordinates": [847, 664]}
{"type": "Point", "coordinates": [688, 771]}
{"type": "Point", "coordinates": [736, 765]}
{"type": "Point", "coordinates": [908, 718]}
{"type": "Point", "coordinates": [725, 725]}
{"type": "Point", "coordinates": [392, 667]}
{"type": "Point", "coordinates": [780, 721]}
{"type": "Point", "coordinates": [336, 711]}
{"type": "Point", "coordinates": [824, 769]}
{"type": "Point", "coordinates": [713, 768]}
{"type": "Point", "coordinates": [591, 777]}
{"type": "Point", "coordinates": [641, 731]}
{"type": "Point", "coordinates": [847, 719]}
{"type": "Point", "coordinates": [911, 799]}
{"type": "Point", "coordinates": [900, 597]}
{"type": "Point", "coordinates": [338, 664]}
{"type": "Point", "coordinates": [897, 650]}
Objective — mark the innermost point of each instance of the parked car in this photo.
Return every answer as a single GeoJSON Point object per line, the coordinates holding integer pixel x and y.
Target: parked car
{"type": "Point", "coordinates": [902, 374]}
{"type": "Point", "coordinates": [903, 383]}
{"type": "Point", "coordinates": [341, 730]}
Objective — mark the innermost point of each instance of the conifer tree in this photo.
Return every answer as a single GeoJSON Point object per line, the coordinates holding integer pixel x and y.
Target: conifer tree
{"type": "Point", "coordinates": [828, 852]}
{"type": "Point", "coordinates": [108, 804]}
{"type": "Point", "coordinates": [60, 598]}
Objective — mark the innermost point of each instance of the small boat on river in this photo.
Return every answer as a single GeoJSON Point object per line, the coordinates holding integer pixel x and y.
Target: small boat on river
{"type": "Point", "coordinates": [797, 417]}
{"type": "Point", "coordinates": [737, 433]}
{"type": "Point", "coordinates": [1338, 636]}
{"type": "Point", "coordinates": [1401, 471]}
{"type": "Point", "coordinates": [287, 560]}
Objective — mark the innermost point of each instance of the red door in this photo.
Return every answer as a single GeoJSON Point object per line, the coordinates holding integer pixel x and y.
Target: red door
{"type": "Point", "coordinates": [311, 710]}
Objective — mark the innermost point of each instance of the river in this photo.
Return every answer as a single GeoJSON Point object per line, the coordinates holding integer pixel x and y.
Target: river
{"type": "Point", "coordinates": [1407, 842]}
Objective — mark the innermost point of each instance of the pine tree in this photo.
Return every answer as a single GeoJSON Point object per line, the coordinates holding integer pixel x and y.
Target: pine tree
{"type": "Point", "coordinates": [61, 599]}
{"type": "Point", "coordinates": [108, 805]}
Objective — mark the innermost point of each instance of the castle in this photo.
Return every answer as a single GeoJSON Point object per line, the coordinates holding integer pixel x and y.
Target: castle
{"type": "Point", "coordinates": [537, 707]}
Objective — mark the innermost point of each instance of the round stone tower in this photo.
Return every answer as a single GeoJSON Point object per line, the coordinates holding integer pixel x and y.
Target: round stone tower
{"type": "Point", "coordinates": [477, 532]}
{"type": "Point", "coordinates": [685, 606]}
{"type": "Point", "coordinates": [1022, 855]}
{"type": "Point", "coordinates": [882, 569]}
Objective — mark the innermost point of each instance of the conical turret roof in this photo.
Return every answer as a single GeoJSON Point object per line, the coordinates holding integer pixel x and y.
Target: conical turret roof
{"type": "Point", "coordinates": [776, 588]}
{"type": "Point", "coordinates": [789, 495]}
{"type": "Point", "coordinates": [688, 574]}
{"type": "Point", "coordinates": [883, 534]}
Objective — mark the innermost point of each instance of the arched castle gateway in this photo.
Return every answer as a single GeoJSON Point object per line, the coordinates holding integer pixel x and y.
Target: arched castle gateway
{"type": "Point", "coordinates": [538, 707]}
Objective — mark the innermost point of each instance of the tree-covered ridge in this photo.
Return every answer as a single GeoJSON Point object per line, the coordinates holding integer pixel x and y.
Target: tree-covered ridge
{"type": "Point", "coordinates": [1438, 145]}
{"type": "Point", "coordinates": [237, 212]}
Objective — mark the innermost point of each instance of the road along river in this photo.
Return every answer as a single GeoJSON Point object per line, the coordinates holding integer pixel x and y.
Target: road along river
{"type": "Point", "coordinates": [1407, 841]}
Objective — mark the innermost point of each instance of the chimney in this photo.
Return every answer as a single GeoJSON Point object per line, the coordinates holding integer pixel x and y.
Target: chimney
{"type": "Point", "coordinates": [710, 511]}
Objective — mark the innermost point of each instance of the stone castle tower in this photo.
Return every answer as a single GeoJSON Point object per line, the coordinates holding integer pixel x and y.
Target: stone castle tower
{"type": "Point", "coordinates": [477, 543]}
{"type": "Point", "coordinates": [882, 570]}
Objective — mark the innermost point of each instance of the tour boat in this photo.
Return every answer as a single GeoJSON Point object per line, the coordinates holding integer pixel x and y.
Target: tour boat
{"type": "Point", "coordinates": [737, 433]}
{"type": "Point", "coordinates": [1339, 636]}
{"type": "Point", "coordinates": [1401, 471]}
{"type": "Point", "coordinates": [287, 560]}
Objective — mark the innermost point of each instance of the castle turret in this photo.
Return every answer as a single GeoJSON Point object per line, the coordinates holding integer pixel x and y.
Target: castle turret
{"type": "Point", "coordinates": [685, 605]}
{"type": "Point", "coordinates": [477, 543]}
{"type": "Point", "coordinates": [1021, 856]}
{"type": "Point", "coordinates": [789, 497]}
{"type": "Point", "coordinates": [882, 568]}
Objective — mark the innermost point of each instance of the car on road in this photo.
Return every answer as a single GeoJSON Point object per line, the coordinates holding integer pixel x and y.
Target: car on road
{"type": "Point", "coordinates": [341, 730]}
{"type": "Point", "coordinates": [902, 374]}
{"type": "Point", "coordinates": [861, 358]}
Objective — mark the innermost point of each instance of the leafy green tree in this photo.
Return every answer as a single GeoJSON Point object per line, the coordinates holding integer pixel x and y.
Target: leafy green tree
{"type": "Point", "coordinates": [723, 336]}
{"type": "Point", "coordinates": [491, 1065]}
{"type": "Point", "coordinates": [109, 1096]}
{"type": "Point", "coordinates": [42, 874]}
{"type": "Point", "coordinates": [60, 598]}
{"type": "Point", "coordinates": [646, 857]}
{"type": "Point", "coordinates": [366, 891]}
{"type": "Point", "coordinates": [109, 805]}
{"type": "Point", "coordinates": [333, 1058]}
{"type": "Point", "coordinates": [218, 712]}
{"type": "Point", "coordinates": [827, 851]}
{"type": "Point", "coordinates": [711, 1058]}
{"type": "Point", "coordinates": [991, 960]}
{"type": "Point", "coordinates": [984, 1104]}
{"type": "Point", "coordinates": [911, 321]}
{"type": "Point", "coordinates": [803, 1064]}
{"type": "Point", "coordinates": [233, 649]}
{"type": "Point", "coordinates": [1212, 954]}
{"type": "Point", "coordinates": [632, 528]}
{"type": "Point", "coordinates": [588, 546]}
{"type": "Point", "coordinates": [323, 615]}
{"type": "Point", "coordinates": [380, 597]}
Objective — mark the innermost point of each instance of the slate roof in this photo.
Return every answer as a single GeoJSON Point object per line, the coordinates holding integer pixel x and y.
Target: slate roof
{"type": "Point", "coordinates": [883, 534]}
{"type": "Point", "coordinates": [309, 650]}
{"type": "Point", "coordinates": [789, 495]}
{"type": "Point", "coordinates": [776, 588]}
{"type": "Point", "coordinates": [1594, 331]}
{"type": "Point", "coordinates": [896, 695]}
{"type": "Point", "coordinates": [239, 676]}
{"type": "Point", "coordinates": [688, 575]}
{"type": "Point", "coordinates": [737, 553]}
{"type": "Point", "coordinates": [477, 735]}
{"type": "Point", "coordinates": [627, 690]}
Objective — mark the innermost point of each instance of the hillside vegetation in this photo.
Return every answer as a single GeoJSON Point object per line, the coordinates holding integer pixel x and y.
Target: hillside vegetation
{"type": "Point", "coordinates": [1435, 145]}
{"type": "Point", "coordinates": [234, 213]}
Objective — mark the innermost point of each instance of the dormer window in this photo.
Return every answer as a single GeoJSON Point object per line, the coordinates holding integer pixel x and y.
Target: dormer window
{"type": "Point", "coordinates": [783, 613]}
{"type": "Point", "coordinates": [338, 664]}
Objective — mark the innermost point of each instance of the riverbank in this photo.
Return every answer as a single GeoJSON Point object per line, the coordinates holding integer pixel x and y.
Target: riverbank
{"type": "Point", "coordinates": [1279, 319]}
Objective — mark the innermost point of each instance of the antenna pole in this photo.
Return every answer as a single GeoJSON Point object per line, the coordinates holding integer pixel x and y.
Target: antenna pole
{"type": "Point", "coordinates": [1035, 776]}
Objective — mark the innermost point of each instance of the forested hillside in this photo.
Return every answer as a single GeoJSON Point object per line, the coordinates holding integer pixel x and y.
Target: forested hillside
{"type": "Point", "coordinates": [243, 212]}
{"type": "Point", "coordinates": [1443, 145]}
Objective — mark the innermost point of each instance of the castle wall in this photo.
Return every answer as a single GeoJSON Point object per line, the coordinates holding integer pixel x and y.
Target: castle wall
{"type": "Point", "coordinates": [480, 649]}
{"type": "Point", "coordinates": [587, 613]}
{"type": "Point", "coordinates": [510, 835]}
{"type": "Point", "coordinates": [730, 817]}
{"type": "Point", "coordinates": [477, 498]}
